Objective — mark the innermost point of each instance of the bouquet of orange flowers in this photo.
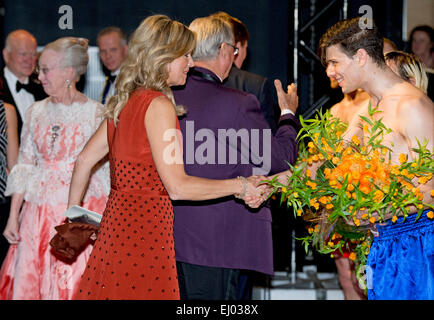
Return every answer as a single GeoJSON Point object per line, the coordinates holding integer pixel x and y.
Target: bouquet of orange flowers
{"type": "Point", "coordinates": [352, 182]}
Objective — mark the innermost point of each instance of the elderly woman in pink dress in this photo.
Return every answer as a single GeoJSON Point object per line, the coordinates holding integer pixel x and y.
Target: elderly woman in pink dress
{"type": "Point", "coordinates": [55, 131]}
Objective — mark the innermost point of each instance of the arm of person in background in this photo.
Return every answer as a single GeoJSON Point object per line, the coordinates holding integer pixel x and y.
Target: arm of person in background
{"type": "Point", "coordinates": [20, 167]}
{"type": "Point", "coordinates": [11, 233]}
{"type": "Point", "coordinates": [12, 131]}
{"type": "Point", "coordinates": [289, 100]}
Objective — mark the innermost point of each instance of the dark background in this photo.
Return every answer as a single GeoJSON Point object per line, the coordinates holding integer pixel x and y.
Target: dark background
{"type": "Point", "coordinates": [270, 53]}
{"type": "Point", "coordinates": [270, 23]}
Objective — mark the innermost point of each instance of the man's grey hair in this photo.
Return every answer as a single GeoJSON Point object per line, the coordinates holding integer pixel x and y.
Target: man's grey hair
{"type": "Point", "coordinates": [210, 32]}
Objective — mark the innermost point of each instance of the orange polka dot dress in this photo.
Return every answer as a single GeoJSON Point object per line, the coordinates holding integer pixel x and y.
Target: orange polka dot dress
{"type": "Point", "coordinates": [133, 256]}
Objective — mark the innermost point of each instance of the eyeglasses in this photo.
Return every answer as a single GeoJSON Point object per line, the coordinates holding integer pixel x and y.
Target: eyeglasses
{"type": "Point", "coordinates": [38, 70]}
{"type": "Point", "coordinates": [235, 48]}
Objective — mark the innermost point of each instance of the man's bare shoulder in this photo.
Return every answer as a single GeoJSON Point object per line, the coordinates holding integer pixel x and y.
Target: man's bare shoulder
{"type": "Point", "coordinates": [417, 105]}
{"type": "Point", "coordinates": [405, 98]}
{"type": "Point", "coordinates": [336, 109]}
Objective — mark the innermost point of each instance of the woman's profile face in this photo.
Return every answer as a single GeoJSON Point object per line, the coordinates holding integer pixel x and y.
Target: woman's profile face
{"type": "Point", "coordinates": [421, 43]}
{"type": "Point", "coordinates": [51, 75]}
{"type": "Point", "coordinates": [178, 70]}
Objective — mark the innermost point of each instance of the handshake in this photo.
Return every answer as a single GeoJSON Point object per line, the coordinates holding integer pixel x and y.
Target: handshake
{"type": "Point", "coordinates": [255, 190]}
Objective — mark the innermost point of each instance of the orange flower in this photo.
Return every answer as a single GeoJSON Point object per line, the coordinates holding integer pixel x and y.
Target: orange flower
{"type": "Point", "coordinates": [352, 256]}
{"type": "Point", "coordinates": [365, 189]}
{"type": "Point", "coordinates": [366, 179]}
{"type": "Point", "coordinates": [402, 158]}
{"type": "Point", "coordinates": [356, 175]}
{"type": "Point", "coordinates": [378, 195]}
{"type": "Point", "coordinates": [394, 218]}
{"type": "Point", "coordinates": [430, 214]}
{"type": "Point", "coordinates": [422, 180]}
{"type": "Point", "coordinates": [355, 140]}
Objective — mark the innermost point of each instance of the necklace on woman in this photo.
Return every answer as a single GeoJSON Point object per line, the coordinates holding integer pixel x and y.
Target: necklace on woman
{"type": "Point", "coordinates": [54, 134]}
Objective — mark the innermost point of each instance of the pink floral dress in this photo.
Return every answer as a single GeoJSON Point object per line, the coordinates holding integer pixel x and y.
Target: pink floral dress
{"type": "Point", "coordinates": [52, 137]}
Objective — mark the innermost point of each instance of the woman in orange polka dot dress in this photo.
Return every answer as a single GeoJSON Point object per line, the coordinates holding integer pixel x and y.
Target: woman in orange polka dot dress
{"type": "Point", "coordinates": [133, 256]}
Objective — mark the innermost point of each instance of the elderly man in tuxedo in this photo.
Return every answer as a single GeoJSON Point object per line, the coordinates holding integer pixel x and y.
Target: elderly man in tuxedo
{"type": "Point", "coordinates": [19, 85]}
{"type": "Point", "coordinates": [113, 50]}
{"type": "Point", "coordinates": [19, 88]}
{"type": "Point", "coordinates": [225, 136]}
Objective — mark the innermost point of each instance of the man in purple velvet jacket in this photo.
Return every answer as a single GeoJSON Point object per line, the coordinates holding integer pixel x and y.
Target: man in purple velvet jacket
{"type": "Point", "coordinates": [225, 135]}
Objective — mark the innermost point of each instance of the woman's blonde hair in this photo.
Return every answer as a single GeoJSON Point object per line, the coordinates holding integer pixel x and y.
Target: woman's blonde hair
{"type": "Point", "coordinates": [156, 42]}
{"type": "Point", "coordinates": [409, 66]}
{"type": "Point", "coordinates": [74, 54]}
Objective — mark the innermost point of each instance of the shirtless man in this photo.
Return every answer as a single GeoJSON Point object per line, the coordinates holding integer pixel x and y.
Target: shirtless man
{"type": "Point", "coordinates": [404, 109]}
{"type": "Point", "coordinates": [354, 58]}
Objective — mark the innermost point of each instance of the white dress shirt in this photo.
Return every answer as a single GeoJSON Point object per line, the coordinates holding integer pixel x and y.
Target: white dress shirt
{"type": "Point", "coordinates": [112, 89]}
{"type": "Point", "coordinates": [23, 99]}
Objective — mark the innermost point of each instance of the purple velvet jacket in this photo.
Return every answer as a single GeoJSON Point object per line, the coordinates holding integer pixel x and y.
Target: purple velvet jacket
{"type": "Point", "coordinates": [224, 232]}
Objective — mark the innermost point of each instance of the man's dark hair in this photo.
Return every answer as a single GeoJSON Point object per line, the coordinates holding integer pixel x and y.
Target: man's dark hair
{"type": "Point", "coordinates": [349, 35]}
{"type": "Point", "coordinates": [111, 29]}
{"type": "Point", "coordinates": [241, 34]}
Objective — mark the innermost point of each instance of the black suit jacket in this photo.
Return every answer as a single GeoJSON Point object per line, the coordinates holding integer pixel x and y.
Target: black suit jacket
{"type": "Point", "coordinates": [260, 87]}
{"type": "Point", "coordinates": [6, 95]}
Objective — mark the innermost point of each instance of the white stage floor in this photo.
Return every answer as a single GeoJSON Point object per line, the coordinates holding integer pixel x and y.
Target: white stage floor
{"type": "Point", "coordinates": [307, 285]}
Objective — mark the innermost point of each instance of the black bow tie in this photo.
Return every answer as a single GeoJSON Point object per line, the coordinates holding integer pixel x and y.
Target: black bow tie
{"type": "Point", "coordinates": [111, 78]}
{"type": "Point", "coordinates": [27, 87]}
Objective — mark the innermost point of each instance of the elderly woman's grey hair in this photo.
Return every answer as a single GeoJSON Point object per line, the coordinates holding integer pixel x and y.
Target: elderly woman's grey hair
{"type": "Point", "coordinates": [74, 53]}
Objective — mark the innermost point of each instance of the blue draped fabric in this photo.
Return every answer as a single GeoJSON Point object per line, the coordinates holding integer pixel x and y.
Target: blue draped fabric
{"type": "Point", "coordinates": [400, 263]}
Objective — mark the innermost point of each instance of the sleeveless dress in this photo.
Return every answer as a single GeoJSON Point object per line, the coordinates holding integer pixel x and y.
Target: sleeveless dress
{"type": "Point", "coordinates": [52, 137]}
{"type": "Point", "coordinates": [133, 256]}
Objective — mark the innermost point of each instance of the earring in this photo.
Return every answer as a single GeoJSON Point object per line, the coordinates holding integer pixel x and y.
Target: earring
{"type": "Point", "coordinates": [68, 84]}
